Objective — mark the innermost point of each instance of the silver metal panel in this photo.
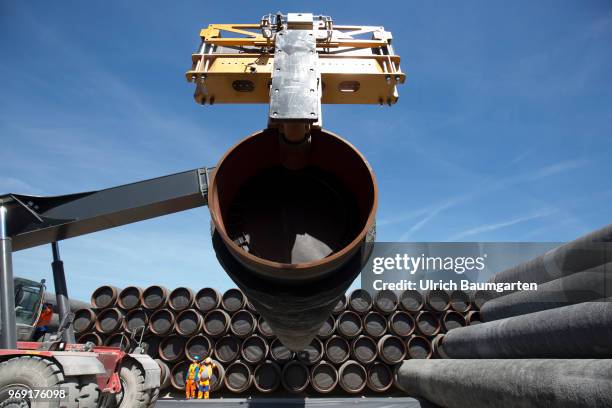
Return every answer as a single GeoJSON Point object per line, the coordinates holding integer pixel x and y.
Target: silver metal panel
{"type": "Point", "coordinates": [294, 95]}
{"type": "Point", "coordinates": [77, 363]}
{"type": "Point", "coordinates": [300, 20]}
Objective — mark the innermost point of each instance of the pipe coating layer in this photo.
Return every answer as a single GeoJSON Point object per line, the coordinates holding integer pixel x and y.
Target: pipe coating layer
{"type": "Point", "coordinates": [581, 254]}
{"type": "Point", "coordinates": [509, 383]}
{"type": "Point", "coordinates": [577, 331]}
{"type": "Point", "coordinates": [593, 284]}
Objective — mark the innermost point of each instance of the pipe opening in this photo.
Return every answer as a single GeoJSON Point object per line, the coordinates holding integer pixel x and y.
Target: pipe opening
{"type": "Point", "coordinates": [292, 224]}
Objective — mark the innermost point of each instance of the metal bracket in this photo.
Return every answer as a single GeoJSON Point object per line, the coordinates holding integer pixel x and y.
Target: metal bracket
{"type": "Point", "coordinates": [294, 93]}
{"type": "Point", "coordinates": [203, 176]}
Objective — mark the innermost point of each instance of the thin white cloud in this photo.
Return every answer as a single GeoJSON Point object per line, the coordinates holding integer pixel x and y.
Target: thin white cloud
{"type": "Point", "coordinates": [522, 156]}
{"type": "Point", "coordinates": [432, 213]}
{"type": "Point", "coordinates": [556, 168]}
{"type": "Point", "coordinates": [488, 185]}
{"type": "Point", "coordinates": [499, 225]}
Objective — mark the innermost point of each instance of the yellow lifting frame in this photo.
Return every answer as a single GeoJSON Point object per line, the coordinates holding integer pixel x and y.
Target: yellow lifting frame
{"type": "Point", "coordinates": [237, 67]}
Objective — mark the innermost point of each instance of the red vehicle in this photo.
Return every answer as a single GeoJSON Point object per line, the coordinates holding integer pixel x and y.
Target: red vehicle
{"type": "Point", "coordinates": [76, 375]}
{"type": "Point", "coordinates": [60, 373]}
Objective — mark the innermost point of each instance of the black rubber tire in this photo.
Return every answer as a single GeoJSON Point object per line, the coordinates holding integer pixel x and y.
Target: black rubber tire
{"type": "Point", "coordinates": [34, 372]}
{"type": "Point", "coordinates": [14, 403]}
{"type": "Point", "coordinates": [133, 394]}
{"type": "Point", "coordinates": [88, 391]}
{"type": "Point", "coordinates": [153, 396]}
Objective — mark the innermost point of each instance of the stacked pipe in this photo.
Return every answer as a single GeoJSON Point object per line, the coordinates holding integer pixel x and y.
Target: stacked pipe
{"type": "Point", "coordinates": [550, 347]}
{"type": "Point", "coordinates": [355, 351]}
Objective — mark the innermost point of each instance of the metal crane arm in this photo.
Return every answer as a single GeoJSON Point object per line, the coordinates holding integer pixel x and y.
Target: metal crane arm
{"type": "Point", "coordinates": [33, 221]}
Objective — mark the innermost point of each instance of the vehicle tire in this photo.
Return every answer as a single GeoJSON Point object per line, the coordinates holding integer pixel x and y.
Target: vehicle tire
{"type": "Point", "coordinates": [33, 372]}
{"type": "Point", "coordinates": [153, 396]}
{"type": "Point", "coordinates": [14, 403]}
{"type": "Point", "coordinates": [88, 391]}
{"type": "Point", "coordinates": [133, 394]}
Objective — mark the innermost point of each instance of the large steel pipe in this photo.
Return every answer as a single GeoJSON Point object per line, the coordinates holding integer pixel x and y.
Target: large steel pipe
{"type": "Point", "coordinates": [105, 296]}
{"type": "Point", "coordinates": [374, 324]}
{"type": "Point", "coordinates": [337, 350]}
{"type": "Point", "coordinates": [401, 323]}
{"type": "Point", "coordinates": [243, 323]}
{"type": "Point", "coordinates": [129, 298]}
{"type": "Point", "coordinates": [460, 301]}
{"type": "Point", "coordinates": [233, 300]}
{"type": "Point", "coordinates": [352, 377]}
{"type": "Point", "coordinates": [324, 377]}
{"type": "Point", "coordinates": [419, 347]}
{"type": "Point", "coordinates": [172, 348]}
{"type": "Point", "coordinates": [293, 240]}
{"type": "Point", "coordinates": [180, 299]}
{"type": "Point", "coordinates": [207, 299]}
{"type": "Point", "coordinates": [364, 349]}
{"type": "Point", "coordinates": [427, 323]}
{"type": "Point", "coordinates": [84, 320]}
{"type": "Point", "coordinates": [593, 284]}
{"type": "Point", "coordinates": [161, 322]}
{"type": "Point", "coordinates": [577, 331]}
{"type": "Point", "coordinates": [279, 352]}
{"type": "Point", "coordinates": [216, 323]}
{"type": "Point", "coordinates": [452, 320]}
{"type": "Point", "coordinates": [437, 300]}
{"type": "Point", "coordinates": [189, 323]}
{"type": "Point", "coordinates": [238, 377]}
{"type": "Point", "coordinates": [154, 297]}
{"type": "Point", "coordinates": [349, 324]}
{"type": "Point", "coordinates": [227, 349]}
{"type": "Point", "coordinates": [584, 253]}
{"type": "Point", "coordinates": [391, 349]}
{"type": "Point", "coordinates": [264, 328]}
{"type": "Point", "coordinates": [385, 301]}
{"type": "Point", "coordinates": [411, 301]}
{"type": "Point", "coordinates": [109, 320]}
{"type": "Point", "coordinates": [295, 376]}
{"type": "Point", "coordinates": [198, 347]}
{"type": "Point", "coordinates": [380, 377]}
{"type": "Point", "coordinates": [312, 353]}
{"type": "Point", "coordinates": [360, 301]}
{"type": "Point", "coordinates": [267, 377]}
{"type": "Point", "coordinates": [135, 319]}
{"type": "Point", "coordinates": [178, 375]}
{"type": "Point", "coordinates": [508, 383]}
{"type": "Point", "coordinates": [254, 349]}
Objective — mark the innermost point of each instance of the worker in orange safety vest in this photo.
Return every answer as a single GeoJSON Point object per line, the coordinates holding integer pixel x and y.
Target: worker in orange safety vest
{"type": "Point", "coordinates": [193, 377]}
{"type": "Point", "coordinates": [206, 372]}
{"type": "Point", "coordinates": [42, 325]}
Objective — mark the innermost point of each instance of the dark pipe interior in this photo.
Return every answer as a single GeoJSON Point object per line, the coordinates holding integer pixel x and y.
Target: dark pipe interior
{"type": "Point", "coordinates": [293, 216]}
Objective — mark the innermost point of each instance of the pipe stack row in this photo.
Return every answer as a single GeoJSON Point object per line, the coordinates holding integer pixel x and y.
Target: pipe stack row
{"type": "Point", "coordinates": [550, 347]}
{"type": "Point", "coordinates": [356, 350]}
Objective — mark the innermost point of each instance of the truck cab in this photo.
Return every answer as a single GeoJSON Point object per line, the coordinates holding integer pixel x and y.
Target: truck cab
{"type": "Point", "coordinates": [29, 302]}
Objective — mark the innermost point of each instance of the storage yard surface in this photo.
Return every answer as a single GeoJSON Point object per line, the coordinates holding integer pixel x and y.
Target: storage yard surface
{"type": "Point", "coordinates": [403, 402]}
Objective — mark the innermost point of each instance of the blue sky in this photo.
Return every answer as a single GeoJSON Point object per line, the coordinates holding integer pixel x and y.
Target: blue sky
{"type": "Point", "coordinates": [502, 130]}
